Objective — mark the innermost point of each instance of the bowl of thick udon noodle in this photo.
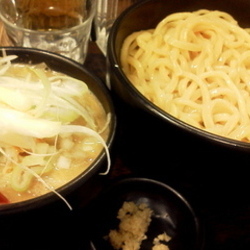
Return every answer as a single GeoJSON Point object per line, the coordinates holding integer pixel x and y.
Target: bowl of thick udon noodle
{"type": "Point", "coordinates": [57, 126]}
{"type": "Point", "coordinates": [188, 64]}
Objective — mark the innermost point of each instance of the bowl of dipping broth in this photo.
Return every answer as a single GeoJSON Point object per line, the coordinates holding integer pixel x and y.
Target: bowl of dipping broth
{"type": "Point", "coordinates": [57, 126]}
{"type": "Point", "coordinates": [186, 64]}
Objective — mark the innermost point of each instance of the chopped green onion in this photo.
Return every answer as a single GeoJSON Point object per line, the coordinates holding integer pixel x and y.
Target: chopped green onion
{"type": "Point", "coordinates": [34, 107]}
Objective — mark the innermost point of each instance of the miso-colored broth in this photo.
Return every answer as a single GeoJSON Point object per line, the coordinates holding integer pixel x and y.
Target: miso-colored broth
{"type": "Point", "coordinates": [59, 158]}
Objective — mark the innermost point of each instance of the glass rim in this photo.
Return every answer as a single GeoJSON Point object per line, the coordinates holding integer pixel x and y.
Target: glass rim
{"type": "Point", "coordinates": [89, 18]}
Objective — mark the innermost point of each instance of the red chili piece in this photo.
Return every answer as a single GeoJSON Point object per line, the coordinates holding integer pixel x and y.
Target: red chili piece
{"type": "Point", "coordinates": [3, 199]}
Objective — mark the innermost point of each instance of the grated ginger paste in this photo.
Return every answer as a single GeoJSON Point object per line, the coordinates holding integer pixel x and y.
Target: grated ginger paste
{"type": "Point", "coordinates": [134, 223]}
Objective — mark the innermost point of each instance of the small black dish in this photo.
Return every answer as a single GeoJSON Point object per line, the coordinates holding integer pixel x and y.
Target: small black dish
{"type": "Point", "coordinates": [171, 214]}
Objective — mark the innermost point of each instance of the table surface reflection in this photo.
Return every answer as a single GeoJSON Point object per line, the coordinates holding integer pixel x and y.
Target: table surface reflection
{"type": "Point", "coordinates": [216, 187]}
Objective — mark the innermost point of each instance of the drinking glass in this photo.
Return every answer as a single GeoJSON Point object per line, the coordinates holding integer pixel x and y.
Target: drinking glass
{"type": "Point", "coordinates": [59, 26]}
{"type": "Point", "coordinates": [107, 12]}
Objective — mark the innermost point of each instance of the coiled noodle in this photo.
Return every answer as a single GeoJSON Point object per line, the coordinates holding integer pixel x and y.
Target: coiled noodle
{"type": "Point", "coordinates": [195, 66]}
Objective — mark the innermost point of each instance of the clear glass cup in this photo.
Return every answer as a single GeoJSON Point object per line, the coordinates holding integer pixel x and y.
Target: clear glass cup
{"type": "Point", "coordinates": [59, 26]}
{"type": "Point", "coordinates": [107, 12]}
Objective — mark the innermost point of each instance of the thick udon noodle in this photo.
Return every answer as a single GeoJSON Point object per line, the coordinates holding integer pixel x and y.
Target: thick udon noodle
{"type": "Point", "coordinates": [195, 66]}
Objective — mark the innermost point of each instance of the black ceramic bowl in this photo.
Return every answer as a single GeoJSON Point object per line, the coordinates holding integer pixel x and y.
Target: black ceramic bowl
{"type": "Point", "coordinates": [146, 15]}
{"type": "Point", "coordinates": [71, 68]}
{"type": "Point", "coordinates": [172, 214]}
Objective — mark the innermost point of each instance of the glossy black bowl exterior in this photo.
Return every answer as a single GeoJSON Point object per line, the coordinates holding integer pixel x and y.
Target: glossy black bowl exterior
{"type": "Point", "coordinates": [172, 214]}
{"type": "Point", "coordinates": [146, 15]}
{"type": "Point", "coordinates": [74, 69]}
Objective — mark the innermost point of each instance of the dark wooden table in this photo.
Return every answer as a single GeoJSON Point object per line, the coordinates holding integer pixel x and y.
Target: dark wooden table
{"type": "Point", "coordinates": [215, 181]}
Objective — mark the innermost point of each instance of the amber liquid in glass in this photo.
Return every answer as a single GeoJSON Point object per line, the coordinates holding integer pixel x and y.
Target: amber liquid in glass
{"type": "Point", "coordinates": [51, 15]}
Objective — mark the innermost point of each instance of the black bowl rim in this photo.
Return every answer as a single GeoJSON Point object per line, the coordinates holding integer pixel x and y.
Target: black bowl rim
{"type": "Point", "coordinates": [150, 107]}
{"type": "Point", "coordinates": [127, 181]}
{"type": "Point", "coordinates": [14, 208]}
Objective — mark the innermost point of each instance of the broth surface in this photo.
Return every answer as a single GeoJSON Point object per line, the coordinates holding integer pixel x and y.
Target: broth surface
{"type": "Point", "coordinates": [55, 160]}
